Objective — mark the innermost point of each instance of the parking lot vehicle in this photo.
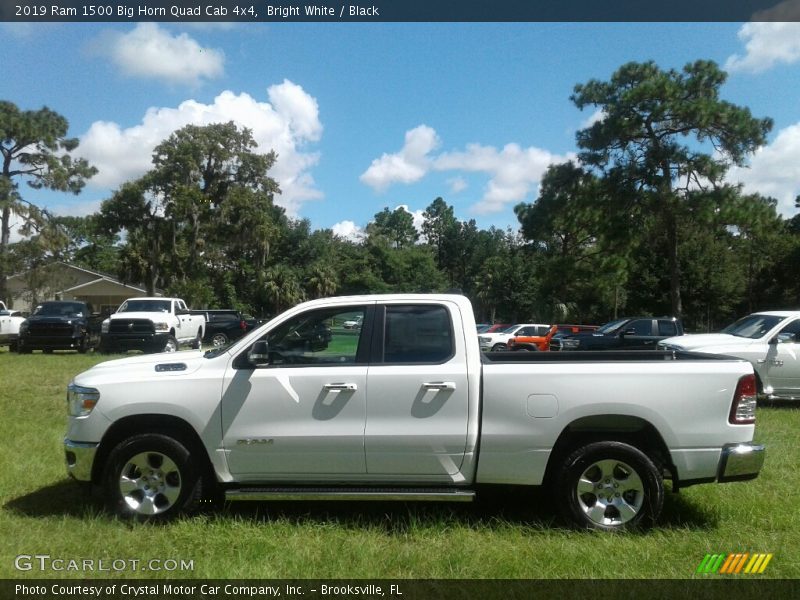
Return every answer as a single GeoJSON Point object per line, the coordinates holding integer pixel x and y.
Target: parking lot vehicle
{"type": "Point", "coordinates": [498, 341]}
{"type": "Point", "coordinates": [222, 325]}
{"type": "Point", "coordinates": [352, 323]}
{"type": "Point", "coordinates": [152, 325]}
{"type": "Point", "coordinates": [541, 343]}
{"type": "Point", "coordinates": [408, 409]}
{"type": "Point", "coordinates": [10, 320]}
{"type": "Point", "coordinates": [631, 333]}
{"type": "Point", "coordinates": [60, 325]}
{"type": "Point", "coordinates": [770, 341]}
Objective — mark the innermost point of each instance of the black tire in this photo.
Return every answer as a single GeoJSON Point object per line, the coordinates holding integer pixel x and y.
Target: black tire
{"type": "Point", "coordinates": [499, 348]}
{"type": "Point", "coordinates": [47, 350]}
{"type": "Point", "coordinates": [12, 347]}
{"type": "Point", "coordinates": [610, 486]}
{"type": "Point", "coordinates": [170, 344]}
{"type": "Point", "coordinates": [151, 477]}
{"type": "Point", "coordinates": [83, 345]}
{"type": "Point", "coordinates": [198, 341]}
{"type": "Point", "coordinates": [219, 339]}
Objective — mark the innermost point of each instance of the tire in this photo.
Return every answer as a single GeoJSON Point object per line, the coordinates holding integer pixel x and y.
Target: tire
{"type": "Point", "coordinates": [151, 477]}
{"type": "Point", "coordinates": [499, 348]}
{"type": "Point", "coordinates": [12, 347]}
{"type": "Point", "coordinates": [47, 350]}
{"type": "Point", "coordinates": [83, 345]}
{"type": "Point", "coordinates": [198, 341]}
{"type": "Point", "coordinates": [170, 344]}
{"type": "Point", "coordinates": [596, 472]}
{"type": "Point", "coordinates": [219, 339]}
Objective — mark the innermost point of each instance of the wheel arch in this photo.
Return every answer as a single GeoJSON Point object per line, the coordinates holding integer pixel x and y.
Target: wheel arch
{"type": "Point", "coordinates": [163, 424]}
{"type": "Point", "coordinates": [632, 430]}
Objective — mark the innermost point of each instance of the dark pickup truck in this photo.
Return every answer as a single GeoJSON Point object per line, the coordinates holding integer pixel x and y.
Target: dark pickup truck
{"type": "Point", "coordinates": [632, 333]}
{"type": "Point", "coordinates": [59, 325]}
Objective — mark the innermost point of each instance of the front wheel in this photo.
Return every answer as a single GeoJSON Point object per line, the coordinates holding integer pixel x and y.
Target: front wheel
{"type": "Point", "coordinates": [151, 477]}
{"type": "Point", "coordinates": [198, 340]}
{"type": "Point", "coordinates": [499, 348]}
{"type": "Point", "coordinates": [610, 486]}
{"type": "Point", "coordinates": [170, 344]}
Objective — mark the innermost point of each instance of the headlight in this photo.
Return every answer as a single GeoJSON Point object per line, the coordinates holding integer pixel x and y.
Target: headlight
{"type": "Point", "coordinates": [81, 400]}
{"type": "Point", "coordinates": [483, 340]}
{"type": "Point", "coordinates": [104, 326]}
{"type": "Point", "coordinates": [161, 326]}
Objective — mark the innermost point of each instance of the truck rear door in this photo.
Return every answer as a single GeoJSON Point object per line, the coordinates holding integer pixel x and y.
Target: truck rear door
{"type": "Point", "coordinates": [417, 392]}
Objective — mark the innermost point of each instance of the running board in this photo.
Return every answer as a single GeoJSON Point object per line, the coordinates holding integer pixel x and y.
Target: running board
{"type": "Point", "coordinates": [338, 493]}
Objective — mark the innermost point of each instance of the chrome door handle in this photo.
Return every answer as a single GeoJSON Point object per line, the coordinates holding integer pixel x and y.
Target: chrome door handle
{"type": "Point", "coordinates": [439, 385]}
{"type": "Point", "coordinates": [341, 387]}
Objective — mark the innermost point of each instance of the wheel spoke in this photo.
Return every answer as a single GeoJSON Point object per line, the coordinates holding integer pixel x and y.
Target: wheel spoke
{"type": "Point", "coordinates": [128, 485]}
{"type": "Point", "coordinates": [585, 486]}
{"type": "Point", "coordinates": [597, 513]}
{"type": "Point", "coordinates": [626, 511]}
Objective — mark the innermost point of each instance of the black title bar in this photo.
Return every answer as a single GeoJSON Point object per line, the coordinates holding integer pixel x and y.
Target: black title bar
{"type": "Point", "coordinates": [398, 10]}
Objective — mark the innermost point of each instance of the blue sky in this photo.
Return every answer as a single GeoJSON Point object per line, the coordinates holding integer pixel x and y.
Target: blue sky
{"type": "Point", "coordinates": [371, 115]}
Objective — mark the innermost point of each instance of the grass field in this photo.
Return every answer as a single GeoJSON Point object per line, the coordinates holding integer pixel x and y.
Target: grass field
{"type": "Point", "coordinates": [510, 535]}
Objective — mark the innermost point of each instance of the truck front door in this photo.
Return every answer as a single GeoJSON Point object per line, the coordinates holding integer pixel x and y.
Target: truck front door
{"type": "Point", "coordinates": [418, 397]}
{"type": "Point", "coordinates": [303, 413]}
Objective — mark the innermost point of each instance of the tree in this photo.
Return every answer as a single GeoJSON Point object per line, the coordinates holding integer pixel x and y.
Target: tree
{"type": "Point", "coordinates": [34, 148]}
{"type": "Point", "coordinates": [397, 226]}
{"type": "Point", "coordinates": [664, 138]}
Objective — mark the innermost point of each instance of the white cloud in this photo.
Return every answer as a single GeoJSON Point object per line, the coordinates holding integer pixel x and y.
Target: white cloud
{"type": "Point", "coordinates": [766, 44]}
{"type": "Point", "coordinates": [407, 166]}
{"type": "Point", "coordinates": [286, 123]}
{"type": "Point", "coordinates": [150, 52]}
{"type": "Point", "coordinates": [774, 170]}
{"type": "Point", "coordinates": [417, 215]}
{"type": "Point", "coordinates": [513, 171]}
{"type": "Point", "coordinates": [595, 117]}
{"type": "Point", "coordinates": [457, 184]}
{"type": "Point", "coordinates": [349, 231]}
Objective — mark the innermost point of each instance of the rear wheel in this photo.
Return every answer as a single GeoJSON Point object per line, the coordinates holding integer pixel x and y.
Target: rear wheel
{"type": "Point", "coordinates": [151, 477]}
{"type": "Point", "coordinates": [610, 486]}
{"type": "Point", "coordinates": [219, 339]}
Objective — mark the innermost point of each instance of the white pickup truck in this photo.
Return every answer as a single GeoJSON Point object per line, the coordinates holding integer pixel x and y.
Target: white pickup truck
{"type": "Point", "coordinates": [770, 341]}
{"type": "Point", "coordinates": [10, 321]}
{"type": "Point", "coordinates": [406, 407]}
{"type": "Point", "coordinates": [152, 325]}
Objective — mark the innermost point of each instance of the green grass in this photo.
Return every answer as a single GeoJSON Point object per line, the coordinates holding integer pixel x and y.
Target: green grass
{"type": "Point", "coordinates": [507, 535]}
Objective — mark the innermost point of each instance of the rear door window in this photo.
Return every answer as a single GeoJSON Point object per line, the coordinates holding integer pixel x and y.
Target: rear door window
{"type": "Point", "coordinates": [417, 334]}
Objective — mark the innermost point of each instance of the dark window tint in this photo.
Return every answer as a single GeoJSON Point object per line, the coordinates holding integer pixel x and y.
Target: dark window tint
{"type": "Point", "coordinates": [640, 327]}
{"type": "Point", "coordinates": [668, 328]}
{"type": "Point", "coordinates": [417, 334]}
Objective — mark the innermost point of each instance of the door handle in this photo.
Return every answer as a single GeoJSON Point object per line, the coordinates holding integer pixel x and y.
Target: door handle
{"type": "Point", "coordinates": [439, 385]}
{"type": "Point", "coordinates": [341, 387]}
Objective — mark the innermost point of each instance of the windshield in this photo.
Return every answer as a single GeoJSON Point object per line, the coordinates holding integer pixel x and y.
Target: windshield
{"type": "Point", "coordinates": [60, 309]}
{"type": "Point", "coordinates": [753, 326]}
{"type": "Point", "coordinates": [145, 306]}
{"type": "Point", "coordinates": [611, 326]}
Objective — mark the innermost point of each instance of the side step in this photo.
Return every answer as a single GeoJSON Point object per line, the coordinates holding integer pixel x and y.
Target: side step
{"type": "Point", "coordinates": [354, 493]}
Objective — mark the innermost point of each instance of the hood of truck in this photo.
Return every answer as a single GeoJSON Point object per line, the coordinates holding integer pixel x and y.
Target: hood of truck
{"type": "Point", "coordinates": [139, 315]}
{"type": "Point", "coordinates": [700, 341]}
{"type": "Point", "coordinates": [143, 366]}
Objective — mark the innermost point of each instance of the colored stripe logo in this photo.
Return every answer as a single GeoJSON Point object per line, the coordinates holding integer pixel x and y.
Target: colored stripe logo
{"type": "Point", "coordinates": [735, 563]}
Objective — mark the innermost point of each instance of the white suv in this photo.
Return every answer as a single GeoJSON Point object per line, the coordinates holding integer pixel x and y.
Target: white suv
{"type": "Point", "coordinates": [498, 340]}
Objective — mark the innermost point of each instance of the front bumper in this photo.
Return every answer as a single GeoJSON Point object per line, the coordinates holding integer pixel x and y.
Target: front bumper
{"type": "Point", "coordinates": [79, 458]}
{"type": "Point", "coordinates": [133, 341]}
{"type": "Point", "coordinates": [51, 342]}
{"type": "Point", "coordinates": [739, 462]}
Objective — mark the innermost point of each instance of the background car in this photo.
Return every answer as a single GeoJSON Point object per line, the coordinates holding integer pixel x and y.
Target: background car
{"type": "Point", "coordinates": [630, 333]}
{"type": "Point", "coordinates": [223, 326]}
{"type": "Point", "coordinates": [499, 341]}
{"type": "Point", "coordinates": [353, 323]}
{"type": "Point", "coordinates": [60, 325]}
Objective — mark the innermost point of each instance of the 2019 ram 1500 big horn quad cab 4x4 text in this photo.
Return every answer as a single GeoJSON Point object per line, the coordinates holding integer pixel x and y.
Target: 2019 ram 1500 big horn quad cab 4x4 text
{"type": "Point", "coordinates": [406, 407]}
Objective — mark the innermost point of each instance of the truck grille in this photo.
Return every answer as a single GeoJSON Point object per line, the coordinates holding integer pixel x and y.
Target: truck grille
{"type": "Point", "coordinates": [49, 329]}
{"type": "Point", "coordinates": [131, 326]}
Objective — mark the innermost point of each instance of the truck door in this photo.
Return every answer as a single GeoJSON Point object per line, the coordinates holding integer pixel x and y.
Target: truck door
{"type": "Point", "coordinates": [639, 335]}
{"type": "Point", "coordinates": [417, 393]}
{"type": "Point", "coordinates": [783, 360]}
{"type": "Point", "coordinates": [303, 413]}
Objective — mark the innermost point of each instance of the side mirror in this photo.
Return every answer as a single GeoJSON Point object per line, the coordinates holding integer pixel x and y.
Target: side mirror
{"type": "Point", "coordinates": [258, 355]}
{"type": "Point", "coordinates": [181, 311]}
{"type": "Point", "coordinates": [783, 338]}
